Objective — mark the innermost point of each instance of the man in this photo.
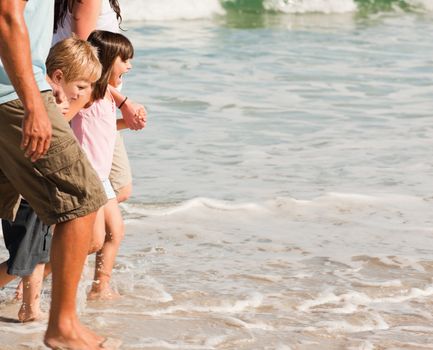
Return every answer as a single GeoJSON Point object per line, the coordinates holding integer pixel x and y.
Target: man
{"type": "Point", "coordinates": [40, 159]}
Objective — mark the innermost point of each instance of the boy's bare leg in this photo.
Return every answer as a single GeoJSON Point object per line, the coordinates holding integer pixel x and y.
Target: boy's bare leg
{"type": "Point", "coordinates": [19, 289]}
{"type": "Point", "coordinates": [32, 285]}
{"type": "Point", "coordinates": [106, 257]}
{"type": "Point", "coordinates": [5, 278]}
{"type": "Point", "coordinates": [69, 249]}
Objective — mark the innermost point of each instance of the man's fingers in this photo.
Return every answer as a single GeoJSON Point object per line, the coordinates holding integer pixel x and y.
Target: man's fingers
{"type": "Point", "coordinates": [25, 141]}
{"type": "Point", "coordinates": [37, 147]}
{"type": "Point", "coordinates": [41, 149]}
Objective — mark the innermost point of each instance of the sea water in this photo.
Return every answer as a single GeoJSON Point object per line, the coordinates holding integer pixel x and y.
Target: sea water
{"type": "Point", "coordinates": [282, 187]}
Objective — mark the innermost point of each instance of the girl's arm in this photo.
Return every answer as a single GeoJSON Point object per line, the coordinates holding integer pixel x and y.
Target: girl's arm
{"type": "Point", "coordinates": [84, 17]}
{"type": "Point", "coordinates": [133, 114]}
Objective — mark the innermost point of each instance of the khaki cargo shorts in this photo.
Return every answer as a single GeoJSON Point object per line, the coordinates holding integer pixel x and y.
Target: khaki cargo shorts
{"type": "Point", "coordinates": [60, 186]}
{"type": "Point", "coordinates": [120, 174]}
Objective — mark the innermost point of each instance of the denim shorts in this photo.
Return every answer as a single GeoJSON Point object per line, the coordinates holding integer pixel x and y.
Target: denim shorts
{"type": "Point", "coordinates": [28, 241]}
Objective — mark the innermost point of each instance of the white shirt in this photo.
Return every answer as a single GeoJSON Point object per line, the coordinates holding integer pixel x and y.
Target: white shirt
{"type": "Point", "coordinates": [106, 21]}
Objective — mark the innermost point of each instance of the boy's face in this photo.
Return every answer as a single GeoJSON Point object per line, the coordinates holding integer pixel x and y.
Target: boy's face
{"type": "Point", "coordinates": [78, 89]}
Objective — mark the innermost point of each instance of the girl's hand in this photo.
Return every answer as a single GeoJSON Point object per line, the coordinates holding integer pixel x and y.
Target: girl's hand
{"type": "Point", "coordinates": [134, 115]}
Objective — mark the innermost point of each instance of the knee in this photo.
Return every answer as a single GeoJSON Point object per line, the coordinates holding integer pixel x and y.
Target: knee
{"type": "Point", "coordinates": [116, 236]}
{"type": "Point", "coordinates": [124, 193]}
{"type": "Point", "coordinates": [95, 245]}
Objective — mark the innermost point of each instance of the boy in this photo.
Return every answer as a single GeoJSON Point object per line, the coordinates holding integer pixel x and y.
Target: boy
{"type": "Point", "coordinates": [72, 67]}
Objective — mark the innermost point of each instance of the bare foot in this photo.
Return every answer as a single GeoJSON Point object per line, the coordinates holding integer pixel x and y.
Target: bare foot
{"type": "Point", "coordinates": [29, 314]}
{"type": "Point", "coordinates": [104, 294]}
{"type": "Point", "coordinates": [75, 336]}
{"type": "Point", "coordinates": [102, 291]}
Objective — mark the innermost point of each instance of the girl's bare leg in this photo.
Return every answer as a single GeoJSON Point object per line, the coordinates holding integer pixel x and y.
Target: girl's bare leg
{"type": "Point", "coordinates": [106, 257]}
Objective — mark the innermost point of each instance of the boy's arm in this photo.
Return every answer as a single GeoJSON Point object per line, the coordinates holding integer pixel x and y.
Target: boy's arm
{"type": "Point", "coordinates": [84, 17]}
{"type": "Point", "coordinates": [121, 124]}
{"type": "Point", "coordinates": [16, 58]}
{"type": "Point", "coordinates": [133, 114]}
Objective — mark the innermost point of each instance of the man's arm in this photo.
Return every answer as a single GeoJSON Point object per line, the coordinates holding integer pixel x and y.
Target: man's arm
{"type": "Point", "coordinates": [16, 58]}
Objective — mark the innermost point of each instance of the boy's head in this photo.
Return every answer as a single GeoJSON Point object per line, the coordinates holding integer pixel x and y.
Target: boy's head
{"type": "Point", "coordinates": [73, 64]}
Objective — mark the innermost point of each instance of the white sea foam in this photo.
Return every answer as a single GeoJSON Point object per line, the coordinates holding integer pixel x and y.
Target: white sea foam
{"type": "Point", "coordinates": [190, 205]}
{"type": "Point", "coordinates": [162, 10]}
{"type": "Point", "coordinates": [161, 344]}
{"type": "Point", "coordinates": [303, 6]}
{"type": "Point", "coordinates": [232, 321]}
{"type": "Point", "coordinates": [375, 322]}
{"type": "Point", "coordinates": [353, 298]}
{"type": "Point", "coordinates": [364, 346]}
{"type": "Point", "coordinates": [426, 4]}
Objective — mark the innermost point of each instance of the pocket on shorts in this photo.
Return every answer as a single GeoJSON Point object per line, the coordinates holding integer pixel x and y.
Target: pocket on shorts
{"type": "Point", "coordinates": [63, 170]}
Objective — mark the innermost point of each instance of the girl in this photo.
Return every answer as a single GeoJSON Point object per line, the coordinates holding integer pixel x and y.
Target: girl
{"type": "Point", "coordinates": [95, 128]}
{"type": "Point", "coordinates": [82, 17]}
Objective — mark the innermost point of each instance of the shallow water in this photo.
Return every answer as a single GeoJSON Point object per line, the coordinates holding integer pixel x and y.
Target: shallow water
{"type": "Point", "coordinates": [282, 196]}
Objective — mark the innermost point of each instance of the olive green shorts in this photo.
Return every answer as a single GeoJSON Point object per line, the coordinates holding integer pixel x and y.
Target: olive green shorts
{"type": "Point", "coordinates": [120, 174]}
{"type": "Point", "coordinates": [60, 186]}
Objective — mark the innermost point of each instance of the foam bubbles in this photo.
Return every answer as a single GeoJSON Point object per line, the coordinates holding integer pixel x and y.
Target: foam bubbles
{"type": "Point", "coordinates": [302, 6]}
{"type": "Point", "coordinates": [162, 10]}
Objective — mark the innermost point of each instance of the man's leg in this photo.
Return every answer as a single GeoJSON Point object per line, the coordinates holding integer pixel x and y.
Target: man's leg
{"type": "Point", "coordinates": [69, 249]}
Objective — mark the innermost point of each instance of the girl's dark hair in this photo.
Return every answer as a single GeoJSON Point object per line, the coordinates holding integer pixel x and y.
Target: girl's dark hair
{"type": "Point", "coordinates": [110, 46]}
{"type": "Point", "coordinates": [62, 7]}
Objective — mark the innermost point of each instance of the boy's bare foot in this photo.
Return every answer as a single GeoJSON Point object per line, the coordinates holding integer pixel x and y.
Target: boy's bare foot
{"type": "Point", "coordinates": [28, 314]}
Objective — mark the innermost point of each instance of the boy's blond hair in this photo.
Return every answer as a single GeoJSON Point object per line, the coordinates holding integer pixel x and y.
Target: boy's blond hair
{"type": "Point", "coordinates": [76, 58]}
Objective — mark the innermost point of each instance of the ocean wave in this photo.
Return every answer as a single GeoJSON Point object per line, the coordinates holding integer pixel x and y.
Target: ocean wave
{"type": "Point", "coordinates": [165, 10]}
{"type": "Point", "coordinates": [328, 205]}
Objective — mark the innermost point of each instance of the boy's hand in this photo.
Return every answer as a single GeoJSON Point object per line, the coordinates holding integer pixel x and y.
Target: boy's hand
{"type": "Point", "coordinates": [64, 107]}
{"type": "Point", "coordinates": [58, 93]}
{"type": "Point", "coordinates": [61, 99]}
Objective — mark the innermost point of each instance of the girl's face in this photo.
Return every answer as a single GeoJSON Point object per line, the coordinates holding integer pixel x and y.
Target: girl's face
{"type": "Point", "coordinates": [120, 67]}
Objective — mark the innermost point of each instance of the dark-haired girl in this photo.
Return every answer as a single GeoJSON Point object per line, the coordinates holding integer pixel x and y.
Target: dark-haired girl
{"type": "Point", "coordinates": [95, 128]}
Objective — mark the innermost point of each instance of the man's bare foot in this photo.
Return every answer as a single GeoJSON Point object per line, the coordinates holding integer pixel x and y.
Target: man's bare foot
{"type": "Point", "coordinates": [75, 337]}
{"type": "Point", "coordinates": [30, 314]}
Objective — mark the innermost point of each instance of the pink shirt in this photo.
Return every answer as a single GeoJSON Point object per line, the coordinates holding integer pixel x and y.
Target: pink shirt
{"type": "Point", "coordinates": [95, 129]}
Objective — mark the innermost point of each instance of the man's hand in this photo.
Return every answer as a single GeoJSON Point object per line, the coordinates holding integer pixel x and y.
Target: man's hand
{"type": "Point", "coordinates": [36, 132]}
{"type": "Point", "coordinates": [134, 115]}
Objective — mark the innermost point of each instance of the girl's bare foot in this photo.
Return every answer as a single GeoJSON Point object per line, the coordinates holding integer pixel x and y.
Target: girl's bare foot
{"type": "Point", "coordinates": [103, 294]}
